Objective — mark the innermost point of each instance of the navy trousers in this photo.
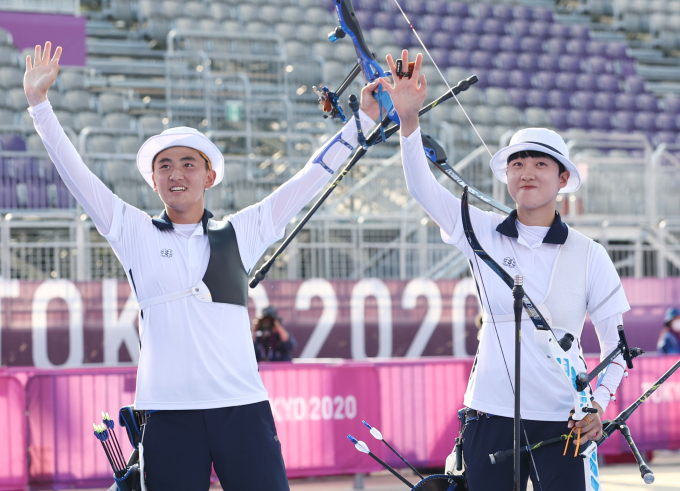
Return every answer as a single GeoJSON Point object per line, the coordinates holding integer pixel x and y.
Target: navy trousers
{"type": "Point", "coordinates": [180, 448]}
{"type": "Point", "coordinates": [557, 472]}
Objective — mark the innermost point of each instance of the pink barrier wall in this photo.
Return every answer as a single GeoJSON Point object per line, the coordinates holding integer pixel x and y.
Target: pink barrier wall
{"type": "Point", "coordinates": [315, 405]}
{"type": "Point", "coordinates": [13, 462]}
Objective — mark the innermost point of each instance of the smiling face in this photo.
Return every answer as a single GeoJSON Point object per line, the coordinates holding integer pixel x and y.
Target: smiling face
{"type": "Point", "coordinates": [180, 177]}
{"type": "Point", "coordinates": [534, 179]}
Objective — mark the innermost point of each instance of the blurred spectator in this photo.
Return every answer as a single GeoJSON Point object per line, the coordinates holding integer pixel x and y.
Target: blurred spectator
{"type": "Point", "coordinates": [669, 341]}
{"type": "Point", "coordinates": [272, 341]}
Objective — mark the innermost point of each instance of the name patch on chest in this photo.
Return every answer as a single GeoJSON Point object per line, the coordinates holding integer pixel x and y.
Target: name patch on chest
{"type": "Point", "coordinates": [509, 262]}
{"type": "Point", "coordinates": [166, 252]}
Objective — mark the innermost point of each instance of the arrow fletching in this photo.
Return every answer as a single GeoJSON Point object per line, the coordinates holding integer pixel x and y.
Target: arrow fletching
{"type": "Point", "coordinates": [359, 445]}
{"type": "Point", "coordinates": [374, 431]}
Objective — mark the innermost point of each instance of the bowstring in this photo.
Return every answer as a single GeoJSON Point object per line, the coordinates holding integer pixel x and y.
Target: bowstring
{"type": "Point", "coordinates": [443, 77]}
{"type": "Point", "coordinates": [476, 260]}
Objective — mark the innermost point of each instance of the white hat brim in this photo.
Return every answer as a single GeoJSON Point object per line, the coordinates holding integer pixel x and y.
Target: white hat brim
{"type": "Point", "coordinates": [158, 143]}
{"type": "Point", "coordinates": [499, 163]}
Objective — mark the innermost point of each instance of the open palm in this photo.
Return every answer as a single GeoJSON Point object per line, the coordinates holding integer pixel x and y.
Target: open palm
{"type": "Point", "coordinates": [40, 74]}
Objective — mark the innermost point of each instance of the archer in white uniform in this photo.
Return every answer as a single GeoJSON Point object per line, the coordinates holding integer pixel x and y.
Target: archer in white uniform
{"type": "Point", "coordinates": [566, 274]}
{"type": "Point", "coordinates": [197, 373]}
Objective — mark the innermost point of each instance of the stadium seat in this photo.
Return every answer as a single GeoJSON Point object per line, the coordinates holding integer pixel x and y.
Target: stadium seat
{"type": "Point", "coordinates": [6, 118]}
{"type": "Point", "coordinates": [310, 34]}
{"type": "Point", "coordinates": [608, 83]}
{"type": "Point", "coordinates": [117, 121]}
{"type": "Point", "coordinates": [11, 77]}
{"type": "Point", "coordinates": [481, 59]}
{"type": "Point", "coordinates": [150, 124]}
{"type": "Point", "coordinates": [565, 82]}
{"type": "Point", "coordinates": [459, 58]}
{"type": "Point", "coordinates": [497, 97]}
{"type": "Point", "coordinates": [119, 172]}
{"type": "Point", "coordinates": [626, 102]}
{"type": "Point", "coordinates": [467, 41]}
{"type": "Point", "coordinates": [503, 12]}
{"type": "Point", "coordinates": [647, 102]}
{"type": "Point", "coordinates": [8, 56]}
{"type": "Point", "coordinates": [671, 103]}
{"type": "Point", "coordinates": [543, 80]}
{"type": "Point", "coordinates": [72, 80]}
{"type": "Point", "coordinates": [148, 9]}
{"type": "Point", "coordinates": [287, 31]}
{"type": "Point", "coordinates": [586, 81]}
{"type": "Point", "coordinates": [172, 8]}
{"type": "Point", "coordinates": [558, 99]}
{"type": "Point", "coordinates": [196, 10]}
{"type": "Point", "coordinates": [452, 26]}
{"type": "Point", "coordinates": [12, 143]}
{"type": "Point", "coordinates": [645, 121]}
{"type": "Point", "coordinates": [666, 122]}
{"type": "Point", "coordinates": [537, 117]}
{"type": "Point", "coordinates": [509, 116]}
{"type": "Point", "coordinates": [209, 25]}
{"type": "Point", "coordinates": [77, 100]}
{"type": "Point", "coordinates": [490, 42]}
{"type": "Point", "coordinates": [109, 103]}
{"type": "Point", "coordinates": [24, 118]}
{"type": "Point", "coordinates": [85, 119]}
{"type": "Point", "coordinates": [129, 144]}
{"type": "Point", "coordinates": [65, 119]}
{"type": "Point", "coordinates": [583, 100]}
{"type": "Point", "coordinates": [186, 24]}
{"type": "Point", "coordinates": [623, 120]}
{"type": "Point", "coordinates": [101, 144]}
{"type": "Point", "coordinates": [220, 11]}
{"type": "Point", "coordinates": [558, 118]}
{"type": "Point", "coordinates": [3, 100]}
{"type": "Point", "coordinates": [16, 99]}
{"type": "Point", "coordinates": [578, 119]}
{"type": "Point", "coordinates": [510, 44]}
{"type": "Point", "coordinates": [35, 144]}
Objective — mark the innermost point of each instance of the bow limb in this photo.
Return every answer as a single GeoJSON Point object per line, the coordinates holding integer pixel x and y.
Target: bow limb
{"type": "Point", "coordinates": [349, 24]}
{"type": "Point", "coordinates": [553, 348]}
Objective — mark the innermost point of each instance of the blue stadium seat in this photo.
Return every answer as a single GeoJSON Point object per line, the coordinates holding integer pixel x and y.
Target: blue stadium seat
{"type": "Point", "coordinates": [490, 42]}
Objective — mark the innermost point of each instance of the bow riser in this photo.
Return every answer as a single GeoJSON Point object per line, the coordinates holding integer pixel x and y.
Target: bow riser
{"type": "Point", "coordinates": [369, 66]}
{"type": "Point", "coordinates": [548, 345]}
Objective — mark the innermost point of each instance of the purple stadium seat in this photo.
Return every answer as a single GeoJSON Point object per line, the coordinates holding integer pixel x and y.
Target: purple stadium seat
{"type": "Point", "coordinates": [666, 122]}
{"type": "Point", "coordinates": [510, 43]}
{"type": "Point", "coordinates": [459, 58]}
{"type": "Point", "coordinates": [671, 104]}
{"type": "Point", "coordinates": [368, 5]}
{"type": "Point", "coordinates": [605, 101]}
{"type": "Point", "coordinates": [498, 78]}
{"type": "Point", "coordinates": [626, 102]}
{"type": "Point", "coordinates": [503, 12]}
{"type": "Point", "coordinates": [404, 38]}
{"type": "Point", "coordinates": [555, 46]}
{"type": "Point", "coordinates": [583, 100]}
{"type": "Point", "coordinates": [596, 48]}
{"type": "Point", "coordinates": [579, 32]}
{"type": "Point", "coordinates": [531, 45]}
{"type": "Point", "coordinates": [436, 7]}
{"type": "Point", "coordinates": [490, 42]}
{"type": "Point", "coordinates": [645, 121]}
{"type": "Point", "coordinates": [416, 7]}
{"type": "Point", "coordinates": [647, 102]}
{"type": "Point", "coordinates": [520, 79]}
{"type": "Point", "coordinates": [458, 9]}
{"type": "Point", "coordinates": [482, 75]}
{"type": "Point", "coordinates": [544, 15]}
{"type": "Point", "coordinates": [426, 22]}
{"type": "Point", "coordinates": [586, 81]}
{"type": "Point", "coordinates": [526, 61]}
{"type": "Point", "coordinates": [12, 143]}
{"type": "Point", "coordinates": [37, 195]}
{"type": "Point", "coordinates": [34, 171]}
{"type": "Point", "coordinates": [8, 170]}
{"type": "Point", "coordinates": [608, 83]}
{"type": "Point", "coordinates": [560, 31]}
{"type": "Point", "coordinates": [505, 61]}
{"type": "Point", "coordinates": [494, 26]}
{"type": "Point", "coordinates": [664, 137]}
{"type": "Point", "coordinates": [548, 63]}
{"type": "Point", "coordinates": [481, 59]}
{"type": "Point", "coordinates": [543, 80]}
{"type": "Point", "coordinates": [473, 25]}
{"type": "Point", "coordinates": [522, 13]}
{"type": "Point", "coordinates": [566, 82]}
{"type": "Point", "coordinates": [558, 99]}
{"type": "Point", "coordinates": [541, 30]}
{"type": "Point", "coordinates": [452, 25]}
{"type": "Point", "coordinates": [577, 47]}
{"type": "Point", "coordinates": [467, 41]}
{"type": "Point", "coordinates": [558, 118]}
{"type": "Point", "coordinates": [623, 121]}
{"type": "Point", "coordinates": [616, 50]}
{"type": "Point", "coordinates": [570, 64]}
{"type": "Point", "coordinates": [518, 97]}
{"type": "Point", "coordinates": [8, 196]}
{"type": "Point", "coordinates": [426, 36]}
{"type": "Point", "coordinates": [599, 120]}
{"type": "Point", "coordinates": [577, 118]}
{"type": "Point", "coordinates": [597, 64]}
{"type": "Point", "coordinates": [484, 11]}
{"type": "Point", "coordinates": [635, 85]}
{"type": "Point", "coordinates": [384, 20]}
{"type": "Point", "coordinates": [443, 40]}
{"type": "Point", "coordinates": [625, 68]}
{"type": "Point", "coordinates": [537, 98]}
{"type": "Point", "coordinates": [64, 197]}
{"type": "Point", "coordinates": [518, 28]}
{"type": "Point", "coordinates": [441, 56]}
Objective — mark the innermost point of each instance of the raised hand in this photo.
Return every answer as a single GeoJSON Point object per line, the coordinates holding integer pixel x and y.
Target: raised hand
{"type": "Point", "coordinates": [408, 94]}
{"type": "Point", "coordinates": [369, 104]}
{"type": "Point", "coordinates": [41, 74]}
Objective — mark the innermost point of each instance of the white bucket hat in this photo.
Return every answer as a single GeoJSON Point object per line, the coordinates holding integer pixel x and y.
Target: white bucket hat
{"type": "Point", "coordinates": [540, 140]}
{"type": "Point", "coordinates": [181, 136]}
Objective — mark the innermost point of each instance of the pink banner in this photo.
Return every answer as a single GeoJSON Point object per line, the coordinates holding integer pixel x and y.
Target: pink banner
{"type": "Point", "coordinates": [59, 323]}
{"type": "Point", "coordinates": [13, 461]}
{"type": "Point", "coordinates": [67, 31]}
{"type": "Point", "coordinates": [413, 402]}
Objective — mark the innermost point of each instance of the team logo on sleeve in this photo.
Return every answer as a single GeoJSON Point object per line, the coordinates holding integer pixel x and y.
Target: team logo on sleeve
{"type": "Point", "coordinates": [166, 252]}
{"type": "Point", "coordinates": [509, 262]}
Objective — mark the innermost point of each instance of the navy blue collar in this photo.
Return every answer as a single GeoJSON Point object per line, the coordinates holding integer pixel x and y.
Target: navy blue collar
{"type": "Point", "coordinates": [164, 223]}
{"type": "Point", "coordinates": [556, 235]}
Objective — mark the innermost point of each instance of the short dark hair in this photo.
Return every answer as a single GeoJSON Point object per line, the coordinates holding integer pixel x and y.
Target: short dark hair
{"type": "Point", "coordinates": [537, 155]}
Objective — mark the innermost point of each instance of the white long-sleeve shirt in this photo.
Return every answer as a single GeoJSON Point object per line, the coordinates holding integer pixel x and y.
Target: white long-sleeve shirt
{"type": "Point", "coordinates": [194, 355]}
{"type": "Point", "coordinates": [544, 395]}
